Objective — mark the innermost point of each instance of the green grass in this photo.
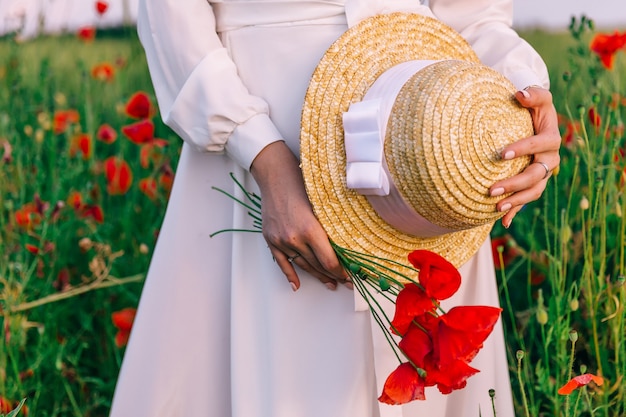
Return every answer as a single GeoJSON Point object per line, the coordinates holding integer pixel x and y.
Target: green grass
{"type": "Point", "coordinates": [58, 347]}
{"type": "Point", "coordinates": [60, 355]}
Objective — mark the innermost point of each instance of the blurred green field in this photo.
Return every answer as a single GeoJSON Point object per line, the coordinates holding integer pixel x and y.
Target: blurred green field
{"type": "Point", "coordinates": [60, 266]}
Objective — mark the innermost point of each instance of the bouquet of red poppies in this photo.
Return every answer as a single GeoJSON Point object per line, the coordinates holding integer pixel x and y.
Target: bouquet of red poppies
{"type": "Point", "coordinates": [433, 347]}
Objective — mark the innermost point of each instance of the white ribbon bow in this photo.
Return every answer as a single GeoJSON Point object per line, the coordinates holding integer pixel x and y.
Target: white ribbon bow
{"type": "Point", "coordinates": [365, 124]}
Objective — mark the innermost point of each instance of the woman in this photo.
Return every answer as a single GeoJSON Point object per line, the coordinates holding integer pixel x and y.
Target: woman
{"type": "Point", "coordinates": [218, 331]}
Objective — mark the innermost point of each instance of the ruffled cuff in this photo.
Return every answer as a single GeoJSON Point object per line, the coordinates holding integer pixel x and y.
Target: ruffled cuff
{"type": "Point", "coordinates": [249, 138]}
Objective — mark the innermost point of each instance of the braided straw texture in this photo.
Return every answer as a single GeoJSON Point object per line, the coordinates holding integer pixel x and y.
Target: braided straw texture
{"type": "Point", "coordinates": [445, 155]}
{"type": "Point", "coordinates": [349, 67]}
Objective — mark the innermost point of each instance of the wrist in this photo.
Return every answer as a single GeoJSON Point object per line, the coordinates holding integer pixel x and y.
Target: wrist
{"type": "Point", "coordinates": [274, 165]}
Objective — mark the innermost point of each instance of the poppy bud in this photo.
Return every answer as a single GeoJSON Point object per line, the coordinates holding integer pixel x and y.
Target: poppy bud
{"type": "Point", "coordinates": [573, 304]}
{"type": "Point", "coordinates": [595, 98]}
{"type": "Point", "coordinates": [584, 203]}
{"type": "Point", "coordinates": [541, 315]}
{"type": "Point", "coordinates": [566, 233]}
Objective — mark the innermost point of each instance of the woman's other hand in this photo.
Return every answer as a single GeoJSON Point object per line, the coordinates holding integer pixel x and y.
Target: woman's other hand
{"type": "Point", "coordinates": [544, 149]}
{"type": "Point", "coordinates": [292, 231]}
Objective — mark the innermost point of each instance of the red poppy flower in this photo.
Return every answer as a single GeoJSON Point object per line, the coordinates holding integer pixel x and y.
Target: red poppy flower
{"type": "Point", "coordinates": [148, 186]}
{"type": "Point", "coordinates": [28, 216]}
{"type": "Point", "coordinates": [101, 7]}
{"type": "Point", "coordinates": [594, 117]}
{"type": "Point", "coordinates": [75, 200]}
{"type": "Point", "coordinates": [166, 179]}
{"type": "Point", "coordinates": [86, 33]}
{"type": "Point", "coordinates": [416, 344]}
{"type": "Point", "coordinates": [82, 144]}
{"type": "Point", "coordinates": [139, 106]}
{"type": "Point", "coordinates": [32, 248]}
{"type": "Point", "coordinates": [123, 320]}
{"type": "Point", "coordinates": [62, 119]}
{"type": "Point", "coordinates": [439, 277]}
{"type": "Point", "coordinates": [536, 277]}
{"type": "Point", "coordinates": [103, 72]}
{"type": "Point", "coordinates": [510, 250]}
{"type": "Point", "coordinates": [140, 132]}
{"type": "Point", "coordinates": [62, 282]}
{"type": "Point", "coordinates": [149, 152]}
{"type": "Point", "coordinates": [572, 130]}
{"type": "Point", "coordinates": [106, 134]}
{"type": "Point", "coordinates": [118, 175]}
{"type": "Point", "coordinates": [6, 406]}
{"type": "Point", "coordinates": [92, 211]}
{"type": "Point", "coordinates": [605, 46]}
{"type": "Point", "coordinates": [403, 385]}
{"type": "Point", "coordinates": [579, 381]}
{"type": "Point", "coordinates": [462, 331]}
{"type": "Point", "coordinates": [451, 377]}
{"type": "Point", "coordinates": [411, 301]}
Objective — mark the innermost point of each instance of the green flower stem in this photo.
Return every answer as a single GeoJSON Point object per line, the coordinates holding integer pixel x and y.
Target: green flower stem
{"type": "Point", "coordinates": [580, 393]}
{"type": "Point", "coordinates": [377, 318]}
{"type": "Point", "coordinates": [70, 396]}
{"type": "Point", "coordinates": [569, 374]}
{"type": "Point", "coordinates": [520, 355]}
{"type": "Point", "coordinates": [588, 401]}
{"type": "Point", "coordinates": [246, 205]}
{"type": "Point", "coordinates": [235, 230]}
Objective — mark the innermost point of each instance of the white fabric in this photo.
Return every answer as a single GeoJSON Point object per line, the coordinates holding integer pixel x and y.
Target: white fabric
{"type": "Point", "coordinates": [364, 125]}
{"type": "Point", "coordinates": [364, 142]}
{"type": "Point", "coordinates": [219, 333]}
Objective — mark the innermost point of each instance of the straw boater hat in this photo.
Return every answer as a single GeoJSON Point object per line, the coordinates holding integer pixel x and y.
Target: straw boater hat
{"type": "Point", "coordinates": [443, 118]}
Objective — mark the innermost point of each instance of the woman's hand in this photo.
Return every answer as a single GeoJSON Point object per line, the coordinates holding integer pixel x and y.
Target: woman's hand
{"type": "Point", "coordinates": [292, 231]}
{"type": "Point", "coordinates": [543, 147]}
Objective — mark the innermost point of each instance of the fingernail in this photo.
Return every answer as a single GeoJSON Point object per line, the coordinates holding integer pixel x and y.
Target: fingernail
{"type": "Point", "coordinates": [525, 93]}
{"type": "Point", "coordinates": [497, 192]}
{"type": "Point", "coordinates": [294, 287]}
{"type": "Point", "coordinates": [349, 285]}
{"type": "Point", "coordinates": [505, 207]}
{"type": "Point", "coordinates": [509, 155]}
{"type": "Point", "coordinates": [331, 286]}
{"type": "Point", "coordinates": [507, 224]}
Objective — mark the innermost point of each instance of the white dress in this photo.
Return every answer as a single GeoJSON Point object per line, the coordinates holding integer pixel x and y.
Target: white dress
{"type": "Point", "coordinates": [219, 332]}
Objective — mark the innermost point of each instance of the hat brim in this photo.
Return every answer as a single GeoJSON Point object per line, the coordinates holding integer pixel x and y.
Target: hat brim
{"type": "Point", "coordinates": [343, 76]}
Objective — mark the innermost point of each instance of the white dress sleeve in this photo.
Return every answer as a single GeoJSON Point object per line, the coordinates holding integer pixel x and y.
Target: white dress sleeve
{"type": "Point", "coordinates": [200, 95]}
{"type": "Point", "coordinates": [486, 24]}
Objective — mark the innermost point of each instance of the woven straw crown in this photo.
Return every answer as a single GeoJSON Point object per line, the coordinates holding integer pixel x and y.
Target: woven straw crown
{"type": "Point", "coordinates": [442, 141]}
